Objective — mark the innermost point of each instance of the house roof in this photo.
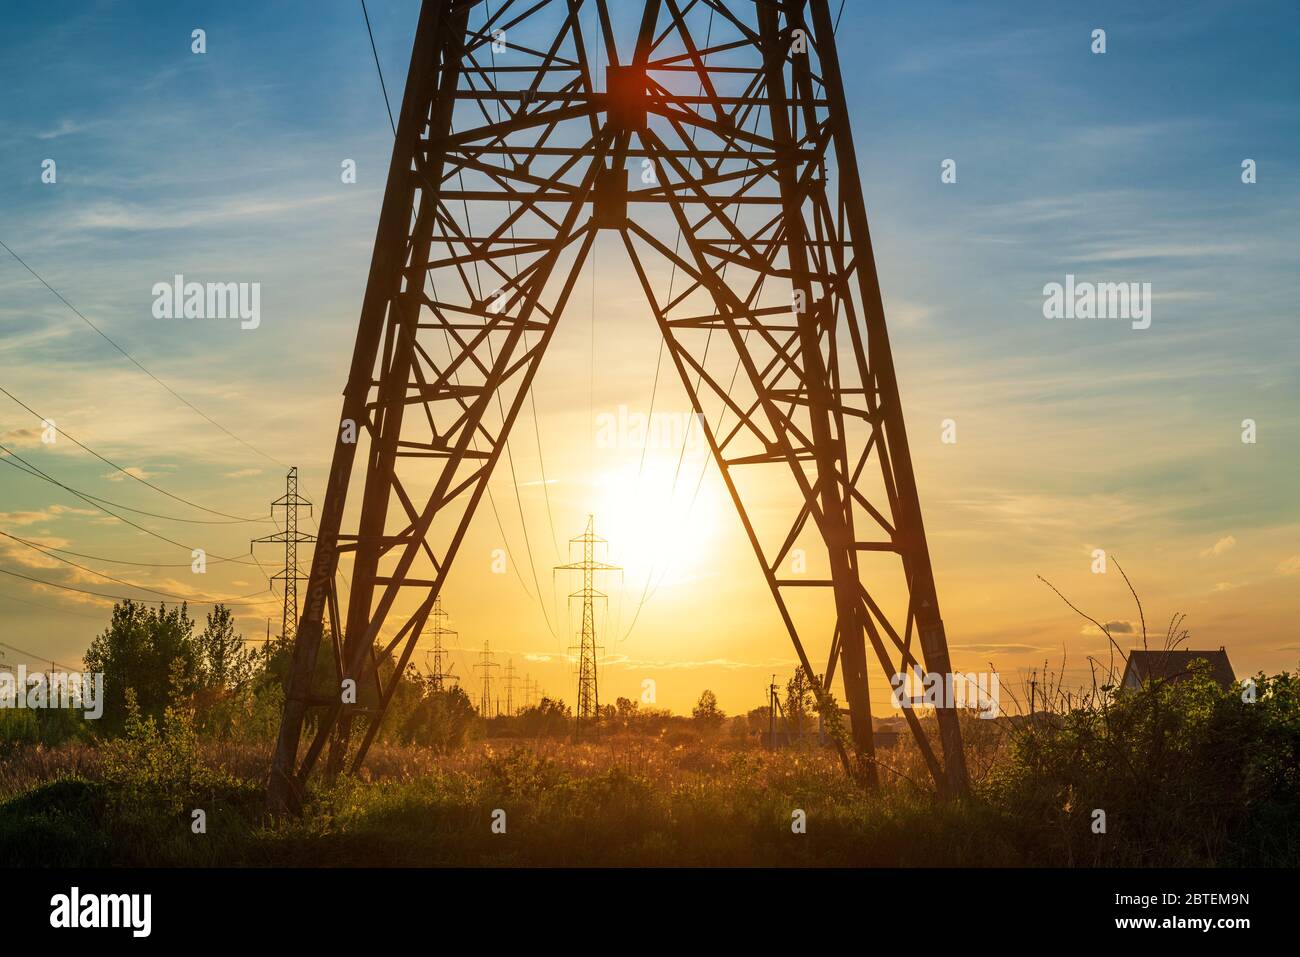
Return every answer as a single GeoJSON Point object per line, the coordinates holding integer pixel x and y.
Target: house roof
{"type": "Point", "coordinates": [1175, 664]}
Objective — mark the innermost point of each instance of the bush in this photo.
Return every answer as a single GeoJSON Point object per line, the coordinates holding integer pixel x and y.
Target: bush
{"type": "Point", "coordinates": [1185, 772]}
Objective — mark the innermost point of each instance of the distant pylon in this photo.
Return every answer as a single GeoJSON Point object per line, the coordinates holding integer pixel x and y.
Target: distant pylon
{"type": "Point", "coordinates": [588, 708]}
{"type": "Point", "coordinates": [290, 502]}
{"type": "Point", "coordinates": [530, 686]}
{"type": "Point", "coordinates": [487, 662]}
{"type": "Point", "coordinates": [437, 676]}
{"type": "Point", "coordinates": [509, 677]}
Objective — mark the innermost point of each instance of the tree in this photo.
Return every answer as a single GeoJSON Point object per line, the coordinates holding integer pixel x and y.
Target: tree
{"type": "Point", "coordinates": [149, 650]}
{"type": "Point", "coordinates": [225, 663]}
{"type": "Point", "coordinates": [443, 719]}
{"type": "Point", "coordinates": [625, 708]}
{"type": "Point", "coordinates": [707, 712]}
{"type": "Point", "coordinates": [548, 716]}
{"type": "Point", "coordinates": [800, 703]}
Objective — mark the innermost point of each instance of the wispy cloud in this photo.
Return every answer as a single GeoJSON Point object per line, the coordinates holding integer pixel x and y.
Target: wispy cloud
{"type": "Point", "coordinates": [226, 209]}
{"type": "Point", "coordinates": [1223, 545]}
{"type": "Point", "coordinates": [65, 128]}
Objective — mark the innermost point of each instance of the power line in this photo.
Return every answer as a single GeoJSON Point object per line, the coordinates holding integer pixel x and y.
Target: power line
{"type": "Point", "coordinates": [83, 591]}
{"type": "Point", "coordinates": [198, 600]}
{"type": "Point", "coordinates": [21, 651]}
{"type": "Point", "coordinates": [114, 561]}
{"type": "Point", "coordinates": [365, 13]}
{"type": "Point", "coordinates": [135, 362]}
{"type": "Point", "coordinates": [31, 470]}
{"type": "Point", "coordinates": [54, 608]}
{"type": "Point", "coordinates": [127, 472]}
{"type": "Point", "coordinates": [91, 501]}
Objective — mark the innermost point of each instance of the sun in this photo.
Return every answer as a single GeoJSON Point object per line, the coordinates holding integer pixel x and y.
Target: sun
{"type": "Point", "coordinates": [661, 520]}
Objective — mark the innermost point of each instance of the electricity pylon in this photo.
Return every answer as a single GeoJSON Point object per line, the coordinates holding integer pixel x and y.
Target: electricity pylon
{"type": "Point", "coordinates": [588, 707]}
{"type": "Point", "coordinates": [530, 687]}
{"type": "Point", "coordinates": [438, 677]}
{"type": "Point", "coordinates": [290, 501]}
{"type": "Point", "coordinates": [519, 127]}
{"type": "Point", "coordinates": [508, 677]}
{"type": "Point", "coordinates": [486, 662]}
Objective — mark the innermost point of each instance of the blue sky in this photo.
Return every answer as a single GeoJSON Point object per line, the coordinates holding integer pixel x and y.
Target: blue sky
{"type": "Point", "coordinates": [1116, 167]}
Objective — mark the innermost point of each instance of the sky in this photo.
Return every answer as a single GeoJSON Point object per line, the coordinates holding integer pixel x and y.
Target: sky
{"type": "Point", "coordinates": [1072, 435]}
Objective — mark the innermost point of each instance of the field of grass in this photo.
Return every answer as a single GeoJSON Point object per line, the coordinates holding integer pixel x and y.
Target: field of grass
{"type": "Point", "coordinates": [1176, 774]}
{"type": "Point", "coordinates": [671, 799]}
{"type": "Point", "coordinates": [619, 801]}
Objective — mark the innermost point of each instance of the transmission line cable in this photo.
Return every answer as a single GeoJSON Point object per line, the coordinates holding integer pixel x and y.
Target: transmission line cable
{"type": "Point", "coordinates": [127, 472]}
{"type": "Point", "coordinates": [135, 362]}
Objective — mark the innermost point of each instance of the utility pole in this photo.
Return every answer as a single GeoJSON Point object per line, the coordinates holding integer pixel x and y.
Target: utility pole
{"type": "Point", "coordinates": [437, 676]}
{"type": "Point", "coordinates": [291, 501]}
{"type": "Point", "coordinates": [486, 662]}
{"type": "Point", "coordinates": [773, 703]}
{"type": "Point", "coordinates": [588, 709]}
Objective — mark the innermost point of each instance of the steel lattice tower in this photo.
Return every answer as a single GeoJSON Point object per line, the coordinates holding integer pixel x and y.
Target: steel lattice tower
{"type": "Point", "coordinates": [588, 707]}
{"type": "Point", "coordinates": [486, 662]}
{"type": "Point", "coordinates": [508, 676]}
{"type": "Point", "coordinates": [437, 675]}
{"type": "Point", "coordinates": [291, 501]}
{"type": "Point", "coordinates": [529, 688]}
{"type": "Point", "coordinates": [526, 130]}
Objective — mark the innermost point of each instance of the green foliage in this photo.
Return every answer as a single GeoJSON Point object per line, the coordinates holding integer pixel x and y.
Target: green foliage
{"type": "Point", "coordinates": [157, 768]}
{"type": "Point", "coordinates": [800, 702]}
{"type": "Point", "coordinates": [25, 727]}
{"type": "Point", "coordinates": [758, 720]}
{"type": "Point", "coordinates": [141, 650]}
{"type": "Point", "coordinates": [443, 719]}
{"type": "Point", "coordinates": [520, 773]}
{"type": "Point", "coordinates": [1186, 774]}
{"type": "Point", "coordinates": [224, 662]}
{"type": "Point", "coordinates": [155, 654]}
{"type": "Point", "coordinates": [548, 717]}
{"type": "Point", "coordinates": [60, 823]}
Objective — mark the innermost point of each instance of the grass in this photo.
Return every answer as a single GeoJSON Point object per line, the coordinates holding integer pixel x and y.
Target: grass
{"type": "Point", "coordinates": [1186, 774]}
{"type": "Point", "coordinates": [622, 801]}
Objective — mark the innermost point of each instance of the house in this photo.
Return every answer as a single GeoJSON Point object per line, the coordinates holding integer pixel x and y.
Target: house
{"type": "Point", "coordinates": [1175, 665]}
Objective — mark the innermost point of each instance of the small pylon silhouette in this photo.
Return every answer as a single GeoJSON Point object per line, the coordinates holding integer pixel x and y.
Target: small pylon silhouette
{"type": "Point", "coordinates": [486, 662]}
{"type": "Point", "coordinates": [290, 501]}
{"type": "Point", "coordinates": [508, 676]}
{"type": "Point", "coordinates": [588, 709]}
{"type": "Point", "coordinates": [437, 676]}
